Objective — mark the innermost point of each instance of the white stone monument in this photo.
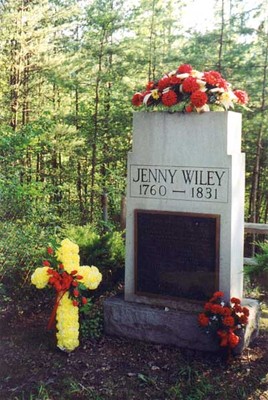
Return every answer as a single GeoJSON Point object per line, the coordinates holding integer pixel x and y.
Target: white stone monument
{"type": "Point", "coordinates": [189, 163]}
{"type": "Point", "coordinates": [185, 225]}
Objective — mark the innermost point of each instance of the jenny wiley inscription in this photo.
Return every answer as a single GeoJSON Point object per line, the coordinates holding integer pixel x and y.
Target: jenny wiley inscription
{"type": "Point", "coordinates": [179, 183]}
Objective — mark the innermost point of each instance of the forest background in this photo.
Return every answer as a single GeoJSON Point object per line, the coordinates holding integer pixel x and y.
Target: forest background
{"type": "Point", "coordinates": [68, 70]}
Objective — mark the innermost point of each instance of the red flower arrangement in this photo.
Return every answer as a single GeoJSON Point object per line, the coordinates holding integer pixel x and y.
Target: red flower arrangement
{"type": "Point", "coordinates": [187, 89]}
{"type": "Point", "coordinates": [224, 319]}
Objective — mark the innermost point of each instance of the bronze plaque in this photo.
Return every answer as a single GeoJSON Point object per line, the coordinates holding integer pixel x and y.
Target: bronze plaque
{"type": "Point", "coordinates": [177, 254]}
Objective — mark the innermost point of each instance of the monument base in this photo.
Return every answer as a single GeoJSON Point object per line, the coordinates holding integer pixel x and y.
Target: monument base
{"type": "Point", "coordinates": [167, 326]}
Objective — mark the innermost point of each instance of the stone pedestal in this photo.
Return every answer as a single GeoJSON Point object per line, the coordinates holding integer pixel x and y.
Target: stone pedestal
{"type": "Point", "coordinates": [169, 326]}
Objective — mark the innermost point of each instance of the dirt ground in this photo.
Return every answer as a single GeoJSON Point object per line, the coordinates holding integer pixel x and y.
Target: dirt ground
{"type": "Point", "coordinates": [31, 367]}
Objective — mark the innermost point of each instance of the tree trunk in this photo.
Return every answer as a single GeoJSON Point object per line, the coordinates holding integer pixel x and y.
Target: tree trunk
{"type": "Point", "coordinates": [151, 67]}
{"type": "Point", "coordinates": [221, 40]}
{"type": "Point", "coordinates": [254, 212]}
{"type": "Point", "coordinates": [95, 128]}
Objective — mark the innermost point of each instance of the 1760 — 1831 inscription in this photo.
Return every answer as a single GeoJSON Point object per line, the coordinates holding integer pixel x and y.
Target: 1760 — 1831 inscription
{"type": "Point", "coordinates": [176, 254]}
{"type": "Point", "coordinates": [179, 183]}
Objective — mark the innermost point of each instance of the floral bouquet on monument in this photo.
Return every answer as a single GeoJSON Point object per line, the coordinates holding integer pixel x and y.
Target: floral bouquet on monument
{"type": "Point", "coordinates": [186, 89]}
{"type": "Point", "coordinates": [224, 320]}
{"type": "Point", "coordinates": [61, 271]}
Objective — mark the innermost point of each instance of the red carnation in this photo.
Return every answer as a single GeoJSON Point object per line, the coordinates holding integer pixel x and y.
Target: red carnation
{"type": "Point", "coordinates": [189, 108]}
{"type": "Point", "coordinates": [137, 99]}
{"type": "Point", "coordinates": [57, 286]}
{"type": "Point", "coordinates": [190, 85]}
{"type": "Point", "coordinates": [150, 85]}
{"type": "Point", "coordinates": [242, 96]}
{"type": "Point", "coordinates": [216, 309]}
{"type": "Point", "coordinates": [222, 83]}
{"type": "Point", "coordinates": [79, 277]}
{"type": "Point", "coordinates": [207, 306]}
{"type": "Point", "coordinates": [185, 69]}
{"type": "Point", "coordinates": [74, 283]}
{"type": "Point", "coordinates": [203, 319]}
{"type": "Point", "coordinates": [163, 83]}
{"type": "Point", "coordinates": [245, 311]}
{"type": "Point", "coordinates": [169, 98]}
{"type": "Point", "coordinates": [212, 77]}
{"type": "Point", "coordinates": [75, 303]}
{"type": "Point", "coordinates": [226, 311]}
{"type": "Point", "coordinates": [50, 271]}
{"type": "Point", "coordinates": [218, 294]}
{"type": "Point", "coordinates": [84, 300]}
{"type": "Point", "coordinates": [224, 338]}
{"type": "Point", "coordinates": [76, 293]}
{"type": "Point", "coordinates": [228, 321]}
{"type": "Point", "coordinates": [174, 80]}
{"type": "Point", "coordinates": [199, 99]}
{"type": "Point", "coordinates": [46, 263]}
{"type": "Point", "coordinates": [238, 308]}
{"type": "Point", "coordinates": [233, 339]}
{"type": "Point", "coordinates": [50, 250]}
{"type": "Point", "coordinates": [234, 300]}
{"type": "Point", "coordinates": [243, 319]}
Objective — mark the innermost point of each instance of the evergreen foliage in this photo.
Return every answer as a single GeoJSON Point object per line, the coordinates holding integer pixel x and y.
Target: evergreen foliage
{"type": "Point", "coordinates": [68, 70]}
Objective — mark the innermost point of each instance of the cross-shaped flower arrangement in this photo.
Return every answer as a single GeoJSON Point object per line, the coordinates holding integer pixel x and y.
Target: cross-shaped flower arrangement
{"type": "Point", "coordinates": [62, 271]}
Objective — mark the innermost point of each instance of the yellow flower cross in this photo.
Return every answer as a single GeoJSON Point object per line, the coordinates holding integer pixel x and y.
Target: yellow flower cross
{"type": "Point", "coordinates": [65, 282]}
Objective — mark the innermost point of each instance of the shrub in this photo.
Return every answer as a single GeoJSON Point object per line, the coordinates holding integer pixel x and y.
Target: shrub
{"type": "Point", "coordinates": [258, 273]}
{"type": "Point", "coordinates": [91, 321]}
{"type": "Point", "coordinates": [105, 251]}
{"type": "Point", "coordinates": [21, 248]}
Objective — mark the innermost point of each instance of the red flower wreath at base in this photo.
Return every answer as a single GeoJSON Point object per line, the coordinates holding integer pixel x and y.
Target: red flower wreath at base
{"type": "Point", "coordinates": [187, 89]}
{"type": "Point", "coordinates": [224, 319]}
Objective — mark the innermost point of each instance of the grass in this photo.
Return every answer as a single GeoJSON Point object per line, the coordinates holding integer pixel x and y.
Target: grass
{"type": "Point", "coordinates": [119, 369]}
